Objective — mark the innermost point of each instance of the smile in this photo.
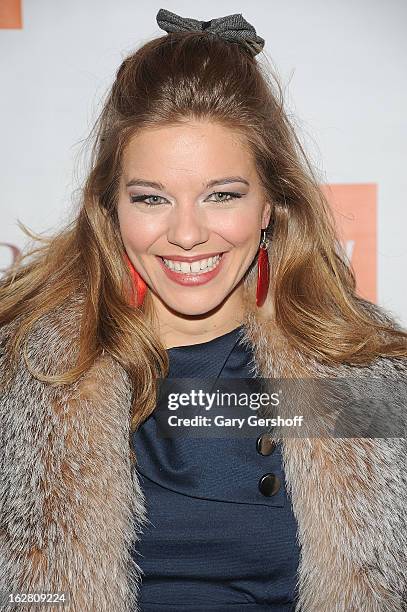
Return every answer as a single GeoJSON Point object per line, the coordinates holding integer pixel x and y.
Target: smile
{"type": "Point", "coordinates": [196, 267]}
{"type": "Point", "coordinates": [194, 273]}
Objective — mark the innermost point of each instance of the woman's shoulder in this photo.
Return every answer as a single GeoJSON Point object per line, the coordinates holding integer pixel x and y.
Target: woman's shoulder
{"type": "Point", "coordinates": [39, 381]}
{"type": "Point", "coordinates": [51, 342]}
{"type": "Point", "coordinates": [380, 313]}
{"type": "Point", "coordinates": [386, 365]}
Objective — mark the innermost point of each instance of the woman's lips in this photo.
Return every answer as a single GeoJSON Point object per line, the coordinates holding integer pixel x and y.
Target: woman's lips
{"type": "Point", "coordinates": [192, 278]}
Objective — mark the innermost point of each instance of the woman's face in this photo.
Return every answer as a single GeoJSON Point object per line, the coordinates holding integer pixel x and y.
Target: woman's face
{"type": "Point", "coordinates": [191, 191]}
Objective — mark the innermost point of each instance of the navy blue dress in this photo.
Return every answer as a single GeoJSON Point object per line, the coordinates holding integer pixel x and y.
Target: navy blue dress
{"type": "Point", "coordinates": [214, 542]}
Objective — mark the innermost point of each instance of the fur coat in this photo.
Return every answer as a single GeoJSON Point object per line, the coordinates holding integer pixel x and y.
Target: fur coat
{"type": "Point", "coordinates": [71, 507]}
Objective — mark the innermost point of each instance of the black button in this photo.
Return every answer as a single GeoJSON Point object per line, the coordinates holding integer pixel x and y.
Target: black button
{"type": "Point", "coordinates": [265, 445]}
{"type": "Point", "coordinates": [269, 484]}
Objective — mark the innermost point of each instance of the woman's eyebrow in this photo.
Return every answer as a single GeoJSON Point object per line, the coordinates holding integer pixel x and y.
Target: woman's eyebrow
{"type": "Point", "coordinates": [227, 179]}
{"type": "Point", "coordinates": [221, 181]}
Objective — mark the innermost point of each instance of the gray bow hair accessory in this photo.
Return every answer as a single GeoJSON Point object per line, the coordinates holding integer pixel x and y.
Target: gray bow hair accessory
{"type": "Point", "coordinates": [233, 28]}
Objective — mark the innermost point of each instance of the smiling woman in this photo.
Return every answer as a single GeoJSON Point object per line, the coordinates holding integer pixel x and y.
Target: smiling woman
{"type": "Point", "coordinates": [188, 236]}
{"type": "Point", "coordinates": [203, 248]}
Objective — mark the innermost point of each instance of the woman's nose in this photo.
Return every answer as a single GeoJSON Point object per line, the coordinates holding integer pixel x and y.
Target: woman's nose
{"type": "Point", "coordinates": [187, 227]}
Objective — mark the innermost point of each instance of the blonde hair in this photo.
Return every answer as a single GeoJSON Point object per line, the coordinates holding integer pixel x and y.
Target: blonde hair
{"type": "Point", "coordinates": [170, 80]}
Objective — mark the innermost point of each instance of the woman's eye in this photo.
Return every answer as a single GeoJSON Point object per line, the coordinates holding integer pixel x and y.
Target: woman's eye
{"type": "Point", "coordinates": [143, 198]}
{"type": "Point", "coordinates": [232, 195]}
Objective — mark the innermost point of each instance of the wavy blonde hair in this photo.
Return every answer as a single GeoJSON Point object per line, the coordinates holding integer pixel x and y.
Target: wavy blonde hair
{"type": "Point", "coordinates": [170, 80]}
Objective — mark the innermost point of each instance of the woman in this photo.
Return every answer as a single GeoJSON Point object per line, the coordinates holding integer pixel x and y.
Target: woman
{"type": "Point", "coordinates": [194, 157]}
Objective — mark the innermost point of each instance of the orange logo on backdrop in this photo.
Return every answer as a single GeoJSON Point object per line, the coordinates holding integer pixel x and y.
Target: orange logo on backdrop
{"type": "Point", "coordinates": [355, 211]}
{"type": "Point", "coordinates": [10, 14]}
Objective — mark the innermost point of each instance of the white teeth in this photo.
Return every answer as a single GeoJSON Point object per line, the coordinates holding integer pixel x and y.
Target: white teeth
{"type": "Point", "coordinates": [197, 267]}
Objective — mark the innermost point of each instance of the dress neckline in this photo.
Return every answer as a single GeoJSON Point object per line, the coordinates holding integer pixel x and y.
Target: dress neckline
{"type": "Point", "coordinates": [208, 342]}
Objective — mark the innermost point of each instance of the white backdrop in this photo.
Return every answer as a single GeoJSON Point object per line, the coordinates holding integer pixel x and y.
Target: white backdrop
{"type": "Point", "coordinates": [343, 65]}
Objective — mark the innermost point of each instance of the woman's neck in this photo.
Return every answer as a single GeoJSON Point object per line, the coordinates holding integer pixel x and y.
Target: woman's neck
{"type": "Point", "coordinates": [172, 340]}
{"type": "Point", "coordinates": [178, 330]}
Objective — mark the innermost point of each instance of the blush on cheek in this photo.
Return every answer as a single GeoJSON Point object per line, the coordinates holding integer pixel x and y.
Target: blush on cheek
{"type": "Point", "coordinates": [134, 238]}
{"type": "Point", "coordinates": [242, 228]}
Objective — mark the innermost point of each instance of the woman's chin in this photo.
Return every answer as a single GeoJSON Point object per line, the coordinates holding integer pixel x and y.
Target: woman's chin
{"type": "Point", "coordinates": [185, 305]}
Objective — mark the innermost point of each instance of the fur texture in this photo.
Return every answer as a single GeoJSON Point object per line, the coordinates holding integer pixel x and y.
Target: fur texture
{"type": "Point", "coordinates": [71, 507]}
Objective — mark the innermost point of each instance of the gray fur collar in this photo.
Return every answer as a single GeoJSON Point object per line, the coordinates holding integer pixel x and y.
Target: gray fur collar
{"type": "Point", "coordinates": [71, 506]}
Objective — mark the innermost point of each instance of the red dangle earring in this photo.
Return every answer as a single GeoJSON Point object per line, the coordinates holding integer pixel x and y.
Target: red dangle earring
{"type": "Point", "coordinates": [263, 272]}
{"type": "Point", "coordinates": [139, 286]}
